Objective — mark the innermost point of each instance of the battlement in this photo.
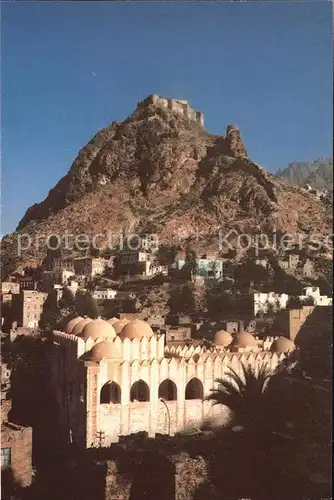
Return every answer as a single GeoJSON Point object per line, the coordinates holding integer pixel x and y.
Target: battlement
{"type": "Point", "coordinates": [202, 354]}
{"type": "Point", "coordinates": [176, 105]}
{"type": "Point", "coordinates": [120, 349]}
{"type": "Point", "coordinates": [144, 349]}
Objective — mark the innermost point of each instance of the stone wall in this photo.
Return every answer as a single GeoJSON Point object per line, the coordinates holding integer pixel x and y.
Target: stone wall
{"type": "Point", "coordinates": [180, 333]}
{"type": "Point", "coordinates": [191, 476]}
{"type": "Point", "coordinates": [297, 318]}
{"type": "Point", "coordinates": [6, 406]}
{"type": "Point", "coordinates": [178, 106]}
{"type": "Point", "coordinates": [19, 440]}
{"type": "Point", "coordinates": [133, 416]}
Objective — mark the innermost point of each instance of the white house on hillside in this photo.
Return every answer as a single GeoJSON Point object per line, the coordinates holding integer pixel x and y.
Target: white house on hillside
{"type": "Point", "coordinates": [262, 301]}
{"type": "Point", "coordinates": [314, 292]}
{"type": "Point", "coordinates": [279, 301]}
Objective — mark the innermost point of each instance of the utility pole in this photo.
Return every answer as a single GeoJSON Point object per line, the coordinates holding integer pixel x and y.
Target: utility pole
{"type": "Point", "coordinates": [101, 437]}
{"type": "Point", "coordinates": [168, 414]}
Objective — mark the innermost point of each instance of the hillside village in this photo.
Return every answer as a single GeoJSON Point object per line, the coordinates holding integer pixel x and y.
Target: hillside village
{"type": "Point", "coordinates": [116, 285]}
{"type": "Point", "coordinates": [119, 352]}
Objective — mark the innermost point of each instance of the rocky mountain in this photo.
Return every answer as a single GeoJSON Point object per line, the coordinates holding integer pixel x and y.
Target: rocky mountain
{"type": "Point", "coordinates": [318, 174]}
{"type": "Point", "coordinates": [160, 171]}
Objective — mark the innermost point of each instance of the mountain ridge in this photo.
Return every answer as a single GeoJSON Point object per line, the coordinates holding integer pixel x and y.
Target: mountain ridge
{"type": "Point", "coordinates": [161, 171]}
{"type": "Point", "coordinates": [318, 174]}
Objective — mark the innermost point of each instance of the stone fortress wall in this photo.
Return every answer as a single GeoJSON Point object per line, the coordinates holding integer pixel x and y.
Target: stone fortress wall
{"type": "Point", "coordinates": [178, 106]}
{"type": "Point", "coordinates": [119, 393]}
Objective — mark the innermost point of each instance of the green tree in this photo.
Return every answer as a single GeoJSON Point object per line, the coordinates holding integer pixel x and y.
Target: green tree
{"type": "Point", "coordinates": [86, 305]}
{"type": "Point", "coordinates": [116, 271]}
{"type": "Point", "coordinates": [294, 303]}
{"type": "Point", "coordinates": [94, 252]}
{"type": "Point", "coordinates": [67, 304]}
{"type": "Point", "coordinates": [309, 301]}
{"type": "Point", "coordinates": [92, 284]}
{"type": "Point", "coordinates": [182, 300]}
{"type": "Point", "coordinates": [190, 267]}
{"type": "Point", "coordinates": [166, 254]}
{"type": "Point", "coordinates": [245, 396]}
{"type": "Point", "coordinates": [213, 268]}
{"type": "Point", "coordinates": [250, 272]}
{"type": "Point", "coordinates": [51, 314]}
{"type": "Point", "coordinates": [270, 309]}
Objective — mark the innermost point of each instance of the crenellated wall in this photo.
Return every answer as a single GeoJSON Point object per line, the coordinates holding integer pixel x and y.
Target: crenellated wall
{"type": "Point", "coordinates": [125, 350]}
{"type": "Point", "coordinates": [176, 105]}
{"type": "Point", "coordinates": [128, 417]}
{"type": "Point", "coordinates": [188, 372]}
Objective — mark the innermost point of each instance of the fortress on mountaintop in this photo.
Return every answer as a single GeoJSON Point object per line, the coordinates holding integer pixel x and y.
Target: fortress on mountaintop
{"type": "Point", "coordinates": [178, 106]}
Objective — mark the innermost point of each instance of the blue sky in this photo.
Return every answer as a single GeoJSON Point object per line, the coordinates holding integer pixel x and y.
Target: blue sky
{"type": "Point", "coordinates": [70, 69]}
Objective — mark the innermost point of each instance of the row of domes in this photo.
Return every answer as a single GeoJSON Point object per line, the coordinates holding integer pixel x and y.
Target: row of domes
{"type": "Point", "coordinates": [99, 328]}
{"type": "Point", "coordinates": [244, 339]}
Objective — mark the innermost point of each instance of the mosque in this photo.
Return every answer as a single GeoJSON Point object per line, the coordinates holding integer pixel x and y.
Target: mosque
{"type": "Point", "coordinates": [114, 377]}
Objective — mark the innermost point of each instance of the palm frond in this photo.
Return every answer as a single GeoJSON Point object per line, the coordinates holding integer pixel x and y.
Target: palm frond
{"type": "Point", "coordinates": [236, 377]}
{"type": "Point", "coordinates": [243, 394]}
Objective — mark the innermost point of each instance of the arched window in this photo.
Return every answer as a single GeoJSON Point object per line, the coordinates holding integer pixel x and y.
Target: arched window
{"type": "Point", "coordinates": [194, 389]}
{"type": "Point", "coordinates": [110, 393]}
{"type": "Point", "coordinates": [168, 390]}
{"type": "Point", "coordinates": [140, 391]}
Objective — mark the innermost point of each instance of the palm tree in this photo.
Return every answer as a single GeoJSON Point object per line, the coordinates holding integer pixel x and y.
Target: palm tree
{"type": "Point", "coordinates": [245, 396]}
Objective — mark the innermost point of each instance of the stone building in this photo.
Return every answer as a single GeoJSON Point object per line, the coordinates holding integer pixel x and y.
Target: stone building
{"type": "Point", "coordinates": [62, 270]}
{"type": "Point", "coordinates": [16, 443]}
{"type": "Point", "coordinates": [6, 298]}
{"type": "Point", "coordinates": [104, 294]}
{"type": "Point", "coordinates": [175, 333]}
{"type": "Point", "coordinates": [180, 107]}
{"type": "Point", "coordinates": [27, 307]}
{"type": "Point", "coordinates": [314, 293]}
{"type": "Point", "coordinates": [28, 283]}
{"type": "Point", "coordinates": [16, 448]}
{"type": "Point", "coordinates": [293, 262]}
{"type": "Point", "coordinates": [5, 380]}
{"type": "Point", "coordinates": [139, 264]}
{"type": "Point", "coordinates": [290, 262]}
{"type": "Point", "coordinates": [262, 301]}
{"type": "Point", "coordinates": [10, 287]}
{"type": "Point", "coordinates": [115, 377]}
{"type": "Point", "coordinates": [297, 318]}
{"type": "Point", "coordinates": [209, 267]}
{"type": "Point", "coordinates": [89, 266]}
{"type": "Point", "coordinates": [233, 326]}
{"type": "Point", "coordinates": [280, 301]}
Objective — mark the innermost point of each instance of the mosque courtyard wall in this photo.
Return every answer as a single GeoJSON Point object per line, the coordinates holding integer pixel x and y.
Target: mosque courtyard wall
{"type": "Point", "coordinates": [107, 386]}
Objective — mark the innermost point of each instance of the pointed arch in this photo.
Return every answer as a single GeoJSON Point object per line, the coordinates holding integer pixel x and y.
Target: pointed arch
{"type": "Point", "coordinates": [110, 393]}
{"type": "Point", "coordinates": [168, 390]}
{"type": "Point", "coordinates": [194, 389]}
{"type": "Point", "coordinates": [139, 391]}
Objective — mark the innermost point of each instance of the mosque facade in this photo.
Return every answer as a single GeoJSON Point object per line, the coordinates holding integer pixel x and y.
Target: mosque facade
{"type": "Point", "coordinates": [116, 377]}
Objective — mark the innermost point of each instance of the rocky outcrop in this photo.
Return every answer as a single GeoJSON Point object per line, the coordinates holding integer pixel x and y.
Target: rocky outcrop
{"type": "Point", "coordinates": [235, 142]}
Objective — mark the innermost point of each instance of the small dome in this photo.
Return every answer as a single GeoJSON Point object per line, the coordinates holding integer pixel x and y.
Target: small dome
{"type": "Point", "coordinates": [71, 324]}
{"type": "Point", "coordinates": [282, 344]}
{"type": "Point", "coordinates": [136, 329]}
{"type": "Point", "coordinates": [223, 338]}
{"type": "Point", "coordinates": [244, 340]}
{"type": "Point", "coordinates": [77, 330]}
{"type": "Point", "coordinates": [97, 328]}
{"type": "Point", "coordinates": [113, 320]}
{"type": "Point", "coordinates": [105, 349]}
{"type": "Point", "coordinates": [119, 325]}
